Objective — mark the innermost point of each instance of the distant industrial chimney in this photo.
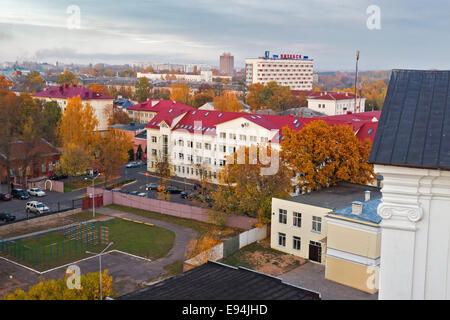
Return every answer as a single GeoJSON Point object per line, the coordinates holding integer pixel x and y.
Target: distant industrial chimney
{"type": "Point", "coordinates": [356, 207]}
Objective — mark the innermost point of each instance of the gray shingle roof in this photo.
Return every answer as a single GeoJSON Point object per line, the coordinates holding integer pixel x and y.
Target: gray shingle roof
{"type": "Point", "coordinates": [216, 281]}
{"type": "Point", "coordinates": [414, 127]}
{"type": "Point", "coordinates": [336, 197]}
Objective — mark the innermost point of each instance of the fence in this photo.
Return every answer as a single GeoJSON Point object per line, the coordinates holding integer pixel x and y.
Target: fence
{"type": "Point", "coordinates": [169, 208]}
{"type": "Point", "coordinates": [227, 247]}
{"type": "Point", "coordinates": [79, 237]}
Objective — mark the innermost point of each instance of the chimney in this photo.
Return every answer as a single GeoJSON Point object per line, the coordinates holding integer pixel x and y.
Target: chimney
{"type": "Point", "coordinates": [366, 195]}
{"type": "Point", "coordinates": [356, 207]}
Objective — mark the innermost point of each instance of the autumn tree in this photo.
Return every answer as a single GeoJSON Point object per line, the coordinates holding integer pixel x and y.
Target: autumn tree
{"type": "Point", "coordinates": [33, 82]}
{"type": "Point", "coordinates": [227, 102]}
{"type": "Point", "coordinates": [58, 289]}
{"type": "Point", "coordinates": [74, 160]}
{"type": "Point", "coordinates": [67, 77]}
{"type": "Point", "coordinates": [5, 83]}
{"type": "Point", "coordinates": [199, 251]}
{"type": "Point", "coordinates": [181, 93]}
{"type": "Point", "coordinates": [77, 127]}
{"type": "Point", "coordinates": [322, 155]}
{"type": "Point", "coordinates": [99, 88]}
{"type": "Point", "coordinates": [113, 147]}
{"type": "Point", "coordinates": [248, 186]}
{"type": "Point", "coordinates": [200, 99]}
{"type": "Point", "coordinates": [163, 169]}
{"type": "Point", "coordinates": [162, 93]}
{"type": "Point", "coordinates": [116, 115]}
{"type": "Point", "coordinates": [143, 89]}
{"type": "Point", "coordinates": [254, 96]}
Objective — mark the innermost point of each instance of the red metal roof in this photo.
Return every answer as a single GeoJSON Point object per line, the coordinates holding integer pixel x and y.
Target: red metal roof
{"type": "Point", "coordinates": [157, 105]}
{"type": "Point", "coordinates": [205, 121]}
{"type": "Point", "coordinates": [65, 92]}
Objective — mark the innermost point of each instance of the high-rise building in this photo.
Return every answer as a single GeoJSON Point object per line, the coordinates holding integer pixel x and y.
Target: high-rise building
{"type": "Point", "coordinates": [290, 70]}
{"type": "Point", "coordinates": [226, 64]}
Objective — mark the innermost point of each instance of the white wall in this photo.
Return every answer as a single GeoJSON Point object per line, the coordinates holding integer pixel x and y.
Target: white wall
{"type": "Point", "coordinates": [415, 245]}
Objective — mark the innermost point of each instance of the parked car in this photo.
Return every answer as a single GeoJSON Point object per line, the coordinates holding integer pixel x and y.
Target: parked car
{"type": "Point", "coordinates": [142, 194]}
{"type": "Point", "coordinates": [36, 192]}
{"type": "Point", "coordinates": [20, 194]}
{"type": "Point", "coordinates": [5, 196]}
{"type": "Point", "coordinates": [108, 188]}
{"type": "Point", "coordinates": [5, 216]}
{"type": "Point", "coordinates": [197, 185]}
{"type": "Point", "coordinates": [132, 164]}
{"type": "Point", "coordinates": [171, 189]}
{"type": "Point", "coordinates": [152, 186]}
{"type": "Point", "coordinates": [133, 193]}
{"type": "Point", "coordinates": [123, 191]}
{"type": "Point", "coordinates": [36, 207]}
{"type": "Point", "coordinates": [183, 195]}
{"type": "Point", "coordinates": [192, 196]}
{"type": "Point", "coordinates": [58, 177]}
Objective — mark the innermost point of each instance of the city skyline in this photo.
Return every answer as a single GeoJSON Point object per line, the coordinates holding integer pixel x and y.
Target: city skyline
{"type": "Point", "coordinates": [175, 32]}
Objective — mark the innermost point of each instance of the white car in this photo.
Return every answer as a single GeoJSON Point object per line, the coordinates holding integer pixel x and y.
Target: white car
{"type": "Point", "coordinates": [36, 192]}
{"type": "Point", "coordinates": [37, 207]}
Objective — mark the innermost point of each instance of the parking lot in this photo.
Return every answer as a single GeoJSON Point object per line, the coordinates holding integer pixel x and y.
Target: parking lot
{"type": "Point", "coordinates": [61, 201]}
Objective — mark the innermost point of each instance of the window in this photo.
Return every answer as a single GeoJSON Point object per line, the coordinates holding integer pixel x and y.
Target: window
{"type": "Point", "coordinates": [190, 144]}
{"type": "Point", "coordinates": [198, 145]}
{"type": "Point", "coordinates": [316, 224]}
{"type": "Point", "coordinates": [189, 157]}
{"type": "Point", "coordinates": [223, 135]}
{"type": "Point", "coordinates": [199, 159]}
{"type": "Point", "coordinates": [282, 239]}
{"type": "Point", "coordinates": [50, 168]}
{"type": "Point", "coordinates": [233, 136]}
{"type": "Point", "coordinates": [223, 148]}
{"type": "Point", "coordinates": [296, 243]}
{"type": "Point", "coordinates": [282, 217]}
{"type": "Point", "coordinates": [242, 137]}
{"type": "Point", "coordinates": [264, 139]}
{"type": "Point", "coordinates": [297, 219]}
{"type": "Point", "coordinates": [44, 168]}
{"type": "Point", "coordinates": [154, 152]}
{"type": "Point", "coordinates": [180, 143]}
{"type": "Point", "coordinates": [181, 156]}
{"type": "Point", "coordinates": [253, 138]}
{"type": "Point", "coordinates": [154, 139]}
{"type": "Point", "coordinates": [207, 146]}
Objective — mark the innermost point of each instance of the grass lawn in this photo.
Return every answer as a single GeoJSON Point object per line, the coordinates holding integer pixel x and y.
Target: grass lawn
{"type": "Point", "coordinates": [174, 268]}
{"type": "Point", "coordinates": [138, 239]}
{"type": "Point", "coordinates": [202, 228]}
{"type": "Point", "coordinates": [70, 186]}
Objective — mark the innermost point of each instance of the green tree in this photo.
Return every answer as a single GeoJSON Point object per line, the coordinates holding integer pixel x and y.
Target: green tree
{"type": "Point", "coordinates": [33, 82]}
{"type": "Point", "coordinates": [52, 115]}
{"type": "Point", "coordinates": [143, 89]}
{"type": "Point", "coordinates": [67, 77]}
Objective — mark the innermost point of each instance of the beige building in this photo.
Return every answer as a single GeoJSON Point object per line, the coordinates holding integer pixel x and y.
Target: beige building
{"type": "Point", "coordinates": [320, 226]}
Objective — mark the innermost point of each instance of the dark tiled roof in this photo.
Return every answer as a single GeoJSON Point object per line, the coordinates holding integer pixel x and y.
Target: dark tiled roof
{"type": "Point", "coordinates": [338, 196]}
{"type": "Point", "coordinates": [414, 127]}
{"type": "Point", "coordinates": [215, 281]}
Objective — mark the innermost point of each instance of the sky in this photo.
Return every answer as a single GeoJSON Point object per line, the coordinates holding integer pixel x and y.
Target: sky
{"type": "Point", "coordinates": [409, 34]}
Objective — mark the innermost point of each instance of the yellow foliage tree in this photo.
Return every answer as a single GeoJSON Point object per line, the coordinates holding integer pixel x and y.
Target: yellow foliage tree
{"type": "Point", "coordinates": [58, 289]}
{"type": "Point", "coordinates": [324, 155]}
{"type": "Point", "coordinates": [227, 102]}
{"type": "Point", "coordinates": [114, 147]}
{"type": "Point", "coordinates": [181, 93]}
{"type": "Point", "coordinates": [99, 88]}
{"type": "Point", "coordinates": [254, 97]}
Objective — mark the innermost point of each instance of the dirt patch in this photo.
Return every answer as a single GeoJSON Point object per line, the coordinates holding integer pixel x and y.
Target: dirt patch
{"type": "Point", "coordinates": [272, 262]}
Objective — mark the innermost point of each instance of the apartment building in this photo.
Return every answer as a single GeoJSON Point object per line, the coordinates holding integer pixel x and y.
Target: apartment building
{"type": "Point", "coordinates": [204, 76]}
{"type": "Point", "coordinates": [194, 141]}
{"type": "Point", "coordinates": [335, 103]}
{"type": "Point", "coordinates": [99, 102]}
{"type": "Point", "coordinates": [145, 111]}
{"type": "Point", "coordinates": [291, 70]}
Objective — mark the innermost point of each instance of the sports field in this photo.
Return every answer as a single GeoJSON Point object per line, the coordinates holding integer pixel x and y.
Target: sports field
{"type": "Point", "coordinates": [53, 249]}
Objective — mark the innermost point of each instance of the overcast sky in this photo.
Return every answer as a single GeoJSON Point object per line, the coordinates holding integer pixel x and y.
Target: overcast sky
{"type": "Point", "coordinates": [413, 34]}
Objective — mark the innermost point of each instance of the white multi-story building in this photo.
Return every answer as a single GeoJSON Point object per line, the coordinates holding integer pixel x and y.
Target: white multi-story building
{"type": "Point", "coordinates": [99, 102]}
{"type": "Point", "coordinates": [294, 71]}
{"type": "Point", "coordinates": [335, 103]}
{"type": "Point", "coordinates": [194, 141]}
{"type": "Point", "coordinates": [204, 76]}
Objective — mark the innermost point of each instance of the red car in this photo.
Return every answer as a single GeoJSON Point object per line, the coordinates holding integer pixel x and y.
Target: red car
{"type": "Point", "coordinates": [5, 196]}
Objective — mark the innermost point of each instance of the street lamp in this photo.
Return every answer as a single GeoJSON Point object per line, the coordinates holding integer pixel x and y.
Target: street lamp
{"type": "Point", "coordinates": [93, 193]}
{"type": "Point", "coordinates": [146, 185]}
{"type": "Point", "coordinates": [100, 260]}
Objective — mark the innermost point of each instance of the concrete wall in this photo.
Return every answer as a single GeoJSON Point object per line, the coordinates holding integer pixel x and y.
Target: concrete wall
{"type": "Point", "coordinates": [52, 185]}
{"type": "Point", "coordinates": [351, 274]}
{"type": "Point", "coordinates": [170, 208]}
{"type": "Point", "coordinates": [219, 251]}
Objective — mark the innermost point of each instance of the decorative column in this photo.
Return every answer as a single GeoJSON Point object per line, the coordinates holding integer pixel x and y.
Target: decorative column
{"type": "Point", "coordinates": [415, 233]}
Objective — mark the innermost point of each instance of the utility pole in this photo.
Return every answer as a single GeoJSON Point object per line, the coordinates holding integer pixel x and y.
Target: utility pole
{"type": "Point", "coordinates": [356, 80]}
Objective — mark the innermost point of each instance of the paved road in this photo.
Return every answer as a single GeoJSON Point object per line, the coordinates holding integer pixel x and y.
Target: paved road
{"type": "Point", "coordinates": [312, 276]}
{"type": "Point", "coordinates": [59, 201]}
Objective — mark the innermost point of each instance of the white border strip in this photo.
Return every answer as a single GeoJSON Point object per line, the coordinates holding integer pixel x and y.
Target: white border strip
{"type": "Point", "coordinates": [74, 262]}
